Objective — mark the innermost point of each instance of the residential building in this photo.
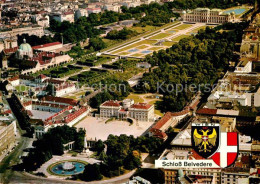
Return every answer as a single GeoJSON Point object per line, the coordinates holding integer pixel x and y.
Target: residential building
{"type": "Point", "coordinates": [81, 13]}
{"type": "Point", "coordinates": [8, 43]}
{"type": "Point", "coordinates": [65, 16]}
{"type": "Point", "coordinates": [113, 7]}
{"type": "Point", "coordinates": [7, 136]}
{"type": "Point", "coordinates": [30, 30]}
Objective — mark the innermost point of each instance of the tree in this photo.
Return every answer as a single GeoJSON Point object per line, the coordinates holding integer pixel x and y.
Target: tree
{"type": "Point", "coordinates": [98, 146]}
{"type": "Point", "coordinates": [91, 173]}
{"type": "Point", "coordinates": [97, 43]}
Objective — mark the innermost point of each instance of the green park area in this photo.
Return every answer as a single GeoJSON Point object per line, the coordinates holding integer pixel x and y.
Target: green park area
{"type": "Point", "coordinates": [76, 96]}
{"type": "Point", "coordinates": [141, 30]}
{"type": "Point", "coordinates": [22, 88]}
{"type": "Point", "coordinates": [136, 44]}
{"type": "Point", "coordinates": [136, 98]}
{"type": "Point", "coordinates": [146, 98]}
{"type": "Point", "coordinates": [178, 38]}
{"type": "Point", "coordinates": [142, 47]}
{"type": "Point", "coordinates": [183, 26]}
{"type": "Point", "coordinates": [124, 53]}
{"type": "Point", "coordinates": [156, 48]}
{"type": "Point", "coordinates": [199, 28]}
{"type": "Point", "coordinates": [160, 36]}
{"type": "Point", "coordinates": [137, 55]}
{"type": "Point", "coordinates": [94, 60]}
{"type": "Point", "coordinates": [168, 44]}
{"type": "Point", "coordinates": [90, 77]}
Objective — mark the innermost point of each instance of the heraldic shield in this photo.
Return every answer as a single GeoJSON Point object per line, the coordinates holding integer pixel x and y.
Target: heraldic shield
{"type": "Point", "coordinates": [205, 138]}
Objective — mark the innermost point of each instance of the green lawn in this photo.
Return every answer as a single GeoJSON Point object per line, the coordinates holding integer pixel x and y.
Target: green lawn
{"type": "Point", "coordinates": [143, 29]}
{"type": "Point", "coordinates": [199, 28]}
{"type": "Point", "coordinates": [160, 36]}
{"type": "Point", "coordinates": [156, 111]}
{"type": "Point", "coordinates": [149, 42]}
{"type": "Point", "coordinates": [22, 88]}
{"type": "Point", "coordinates": [124, 53]}
{"type": "Point", "coordinates": [136, 98]}
{"type": "Point", "coordinates": [142, 47]}
{"type": "Point", "coordinates": [137, 55]}
{"type": "Point", "coordinates": [178, 38]}
{"type": "Point", "coordinates": [110, 42]}
{"type": "Point", "coordinates": [168, 44]}
{"type": "Point", "coordinates": [183, 26]}
{"type": "Point", "coordinates": [156, 48]}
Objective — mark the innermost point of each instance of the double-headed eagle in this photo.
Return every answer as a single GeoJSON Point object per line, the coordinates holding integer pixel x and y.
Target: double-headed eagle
{"type": "Point", "coordinates": [204, 140]}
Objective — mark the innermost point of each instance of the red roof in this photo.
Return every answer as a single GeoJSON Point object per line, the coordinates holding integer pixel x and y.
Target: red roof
{"type": "Point", "coordinates": [196, 156]}
{"type": "Point", "coordinates": [14, 78]}
{"type": "Point", "coordinates": [141, 106]}
{"type": "Point", "coordinates": [11, 50]}
{"type": "Point", "coordinates": [68, 13]}
{"type": "Point", "coordinates": [45, 45]}
{"type": "Point", "coordinates": [60, 100]}
{"type": "Point", "coordinates": [207, 111]}
{"type": "Point", "coordinates": [41, 76]}
{"type": "Point", "coordinates": [111, 103]}
{"type": "Point", "coordinates": [183, 112]}
{"type": "Point", "coordinates": [162, 121]}
{"type": "Point", "coordinates": [160, 134]}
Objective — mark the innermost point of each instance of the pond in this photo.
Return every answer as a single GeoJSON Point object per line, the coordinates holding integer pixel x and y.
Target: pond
{"type": "Point", "coordinates": [237, 11]}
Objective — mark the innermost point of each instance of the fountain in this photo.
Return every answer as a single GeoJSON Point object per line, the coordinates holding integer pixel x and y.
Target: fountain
{"type": "Point", "coordinates": [68, 168]}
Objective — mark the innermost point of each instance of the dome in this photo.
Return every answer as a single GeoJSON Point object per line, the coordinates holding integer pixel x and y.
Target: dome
{"type": "Point", "coordinates": [25, 47]}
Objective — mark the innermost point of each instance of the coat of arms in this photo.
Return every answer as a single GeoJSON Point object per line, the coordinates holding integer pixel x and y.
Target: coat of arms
{"type": "Point", "coordinates": [205, 138]}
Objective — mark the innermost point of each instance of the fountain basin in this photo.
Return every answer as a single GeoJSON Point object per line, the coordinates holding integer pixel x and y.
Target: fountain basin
{"type": "Point", "coordinates": [67, 168]}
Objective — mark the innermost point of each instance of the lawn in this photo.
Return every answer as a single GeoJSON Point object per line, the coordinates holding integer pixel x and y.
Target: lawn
{"type": "Point", "coordinates": [110, 42]}
{"type": "Point", "coordinates": [142, 47]}
{"type": "Point", "coordinates": [149, 42]}
{"type": "Point", "coordinates": [168, 44]}
{"type": "Point", "coordinates": [156, 111]}
{"type": "Point", "coordinates": [124, 53]}
{"type": "Point", "coordinates": [199, 28]}
{"type": "Point", "coordinates": [143, 29]}
{"type": "Point", "coordinates": [137, 55]}
{"type": "Point", "coordinates": [22, 88]}
{"type": "Point", "coordinates": [136, 98]}
{"type": "Point", "coordinates": [178, 38]}
{"type": "Point", "coordinates": [156, 48]}
{"type": "Point", "coordinates": [183, 26]}
{"type": "Point", "coordinates": [160, 36]}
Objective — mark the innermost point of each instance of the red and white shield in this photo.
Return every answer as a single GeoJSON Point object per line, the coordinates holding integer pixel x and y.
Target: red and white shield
{"type": "Point", "coordinates": [227, 153]}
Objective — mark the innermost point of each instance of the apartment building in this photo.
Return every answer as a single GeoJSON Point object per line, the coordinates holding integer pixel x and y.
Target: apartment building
{"type": "Point", "coordinates": [7, 136]}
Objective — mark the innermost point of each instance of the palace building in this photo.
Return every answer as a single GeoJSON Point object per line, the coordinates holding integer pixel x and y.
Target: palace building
{"type": "Point", "coordinates": [206, 15]}
{"type": "Point", "coordinates": [127, 109]}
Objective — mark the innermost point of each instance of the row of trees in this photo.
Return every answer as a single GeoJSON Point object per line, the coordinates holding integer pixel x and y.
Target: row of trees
{"type": "Point", "coordinates": [197, 60]}
{"type": "Point", "coordinates": [123, 152]}
{"type": "Point", "coordinates": [121, 35]}
{"type": "Point", "coordinates": [51, 143]}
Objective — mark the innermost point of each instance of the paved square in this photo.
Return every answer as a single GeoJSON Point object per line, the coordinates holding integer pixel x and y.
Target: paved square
{"type": "Point", "coordinates": [96, 128]}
